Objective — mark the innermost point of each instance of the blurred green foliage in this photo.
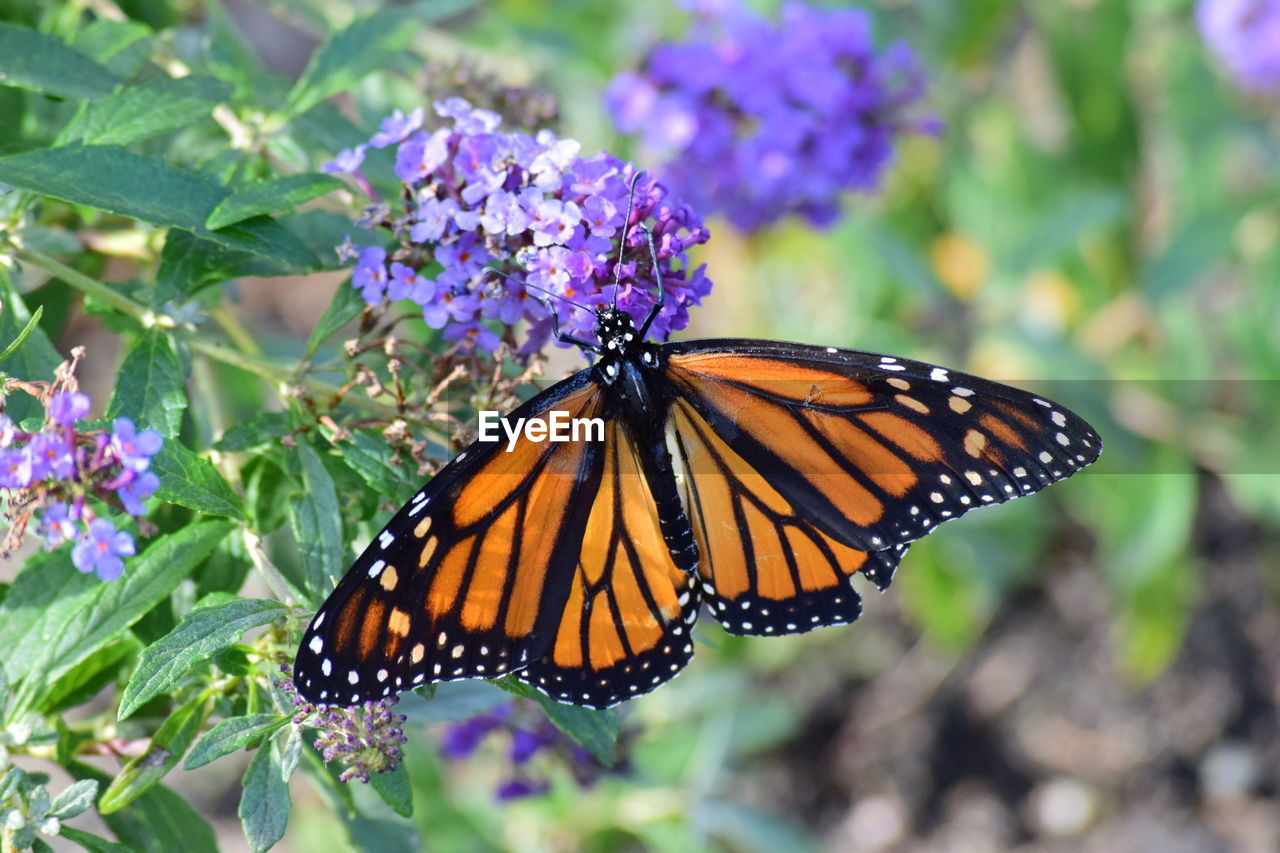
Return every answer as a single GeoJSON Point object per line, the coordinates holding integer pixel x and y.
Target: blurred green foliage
{"type": "Point", "coordinates": [1098, 218]}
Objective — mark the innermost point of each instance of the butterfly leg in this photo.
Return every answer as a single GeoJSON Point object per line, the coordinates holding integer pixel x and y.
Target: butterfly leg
{"type": "Point", "coordinates": [562, 336]}
{"type": "Point", "coordinates": [657, 275]}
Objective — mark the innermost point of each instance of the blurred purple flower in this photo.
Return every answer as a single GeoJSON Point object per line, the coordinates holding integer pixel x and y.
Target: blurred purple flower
{"type": "Point", "coordinates": [347, 162]}
{"type": "Point", "coordinates": [51, 455]}
{"type": "Point", "coordinates": [134, 448]}
{"type": "Point", "coordinates": [1245, 36]}
{"type": "Point", "coordinates": [66, 407]}
{"type": "Point", "coordinates": [15, 468]}
{"type": "Point", "coordinates": [57, 526]}
{"type": "Point", "coordinates": [518, 788]}
{"type": "Point", "coordinates": [101, 549]}
{"type": "Point", "coordinates": [761, 121]}
{"type": "Point", "coordinates": [136, 490]}
{"type": "Point", "coordinates": [396, 127]}
{"type": "Point", "coordinates": [370, 275]}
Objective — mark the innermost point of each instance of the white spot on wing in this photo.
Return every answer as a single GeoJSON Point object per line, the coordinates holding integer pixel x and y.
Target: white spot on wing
{"type": "Point", "coordinates": [939, 375]}
{"type": "Point", "coordinates": [316, 644]}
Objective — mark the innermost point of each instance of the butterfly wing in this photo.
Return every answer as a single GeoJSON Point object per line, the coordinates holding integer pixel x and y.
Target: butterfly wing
{"type": "Point", "coordinates": [764, 567]}
{"type": "Point", "coordinates": [875, 451]}
{"type": "Point", "coordinates": [626, 625]}
{"type": "Point", "coordinates": [470, 577]}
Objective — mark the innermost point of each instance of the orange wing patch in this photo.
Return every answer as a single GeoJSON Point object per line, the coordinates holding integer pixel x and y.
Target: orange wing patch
{"type": "Point", "coordinates": [624, 628]}
{"type": "Point", "coordinates": [764, 568]}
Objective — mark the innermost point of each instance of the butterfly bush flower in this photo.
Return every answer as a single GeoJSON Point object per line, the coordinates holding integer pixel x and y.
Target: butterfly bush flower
{"type": "Point", "coordinates": [526, 738]}
{"type": "Point", "coordinates": [497, 224]}
{"type": "Point", "coordinates": [760, 121]}
{"type": "Point", "coordinates": [364, 739]}
{"type": "Point", "coordinates": [65, 476]}
{"type": "Point", "coordinates": [1245, 36]}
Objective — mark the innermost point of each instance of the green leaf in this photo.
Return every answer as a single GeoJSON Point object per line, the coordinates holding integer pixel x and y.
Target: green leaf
{"type": "Point", "coordinates": [279, 194]}
{"type": "Point", "coordinates": [87, 678]}
{"type": "Point", "coordinates": [159, 821]}
{"type": "Point", "coordinates": [262, 428]}
{"type": "Point", "coordinates": [123, 46]}
{"type": "Point", "coordinates": [316, 521]}
{"type": "Point", "coordinates": [92, 843]}
{"type": "Point", "coordinates": [22, 336]}
{"type": "Point", "coordinates": [191, 481]}
{"type": "Point", "coordinates": [46, 593]}
{"type": "Point", "coordinates": [202, 633]}
{"type": "Point", "coordinates": [229, 735]}
{"type": "Point", "coordinates": [394, 789]}
{"type": "Point", "coordinates": [107, 177]}
{"type": "Point", "coordinates": [104, 611]}
{"type": "Point", "coordinates": [188, 264]}
{"type": "Point", "coordinates": [264, 803]}
{"type": "Point", "coordinates": [150, 387]}
{"type": "Point", "coordinates": [43, 63]}
{"type": "Point", "coordinates": [346, 305]}
{"type": "Point", "coordinates": [369, 456]}
{"type": "Point", "coordinates": [166, 749]}
{"type": "Point", "coordinates": [349, 55]}
{"type": "Point", "coordinates": [36, 359]}
{"type": "Point", "coordinates": [596, 730]}
{"type": "Point", "coordinates": [74, 799]}
{"type": "Point", "coordinates": [139, 112]}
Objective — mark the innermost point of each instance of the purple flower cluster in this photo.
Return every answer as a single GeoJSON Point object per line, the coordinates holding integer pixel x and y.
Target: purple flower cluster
{"type": "Point", "coordinates": [1245, 36]}
{"type": "Point", "coordinates": [59, 469]}
{"type": "Point", "coordinates": [460, 740]}
{"type": "Point", "coordinates": [364, 738]}
{"type": "Point", "coordinates": [512, 221]}
{"type": "Point", "coordinates": [758, 121]}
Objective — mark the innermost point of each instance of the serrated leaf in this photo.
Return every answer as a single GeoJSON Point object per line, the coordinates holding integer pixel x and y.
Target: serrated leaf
{"type": "Point", "coordinates": [138, 112]}
{"type": "Point", "coordinates": [92, 843]}
{"type": "Point", "coordinates": [264, 802]}
{"type": "Point", "coordinates": [159, 821]}
{"type": "Point", "coordinates": [316, 521]}
{"type": "Point", "coordinates": [74, 799]}
{"type": "Point", "coordinates": [107, 177]}
{"type": "Point", "coordinates": [394, 789]}
{"type": "Point", "coordinates": [150, 387]}
{"type": "Point", "coordinates": [346, 305]}
{"type": "Point", "coordinates": [202, 633]}
{"type": "Point", "coordinates": [267, 196]}
{"type": "Point", "coordinates": [166, 749]}
{"type": "Point", "coordinates": [191, 481]}
{"type": "Point", "coordinates": [104, 611]}
{"type": "Point", "coordinates": [348, 55]}
{"type": "Point", "coordinates": [597, 731]}
{"type": "Point", "coordinates": [45, 594]}
{"type": "Point", "coordinates": [262, 428]}
{"type": "Point", "coordinates": [188, 264]}
{"type": "Point", "coordinates": [44, 63]}
{"type": "Point", "coordinates": [233, 734]}
{"type": "Point", "coordinates": [370, 457]}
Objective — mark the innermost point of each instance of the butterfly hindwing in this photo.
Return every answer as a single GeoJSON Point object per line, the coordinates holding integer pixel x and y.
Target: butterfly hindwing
{"type": "Point", "coordinates": [876, 451]}
{"type": "Point", "coordinates": [468, 578]}
{"type": "Point", "coordinates": [627, 624]}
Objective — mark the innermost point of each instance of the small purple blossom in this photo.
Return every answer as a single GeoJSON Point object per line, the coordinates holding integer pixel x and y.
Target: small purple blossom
{"type": "Point", "coordinates": [51, 455]}
{"type": "Point", "coordinates": [138, 488]}
{"type": "Point", "coordinates": [57, 526]}
{"type": "Point", "coordinates": [1245, 36]}
{"type": "Point", "coordinates": [15, 468]}
{"type": "Point", "coordinates": [134, 448]}
{"type": "Point", "coordinates": [514, 219]}
{"type": "Point", "coordinates": [364, 739]}
{"type": "Point", "coordinates": [67, 407]}
{"type": "Point", "coordinates": [760, 121]}
{"type": "Point", "coordinates": [396, 127]}
{"type": "Point", "coordinates": [101, 549]}
{"type": "Point", "coordinates": [347, 162]}
{"type": "Point", "coordinates": [518, 788]}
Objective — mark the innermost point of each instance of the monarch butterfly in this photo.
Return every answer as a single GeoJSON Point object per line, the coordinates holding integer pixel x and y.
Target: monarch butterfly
{"type": "Point", "coordinates": [755, 477]}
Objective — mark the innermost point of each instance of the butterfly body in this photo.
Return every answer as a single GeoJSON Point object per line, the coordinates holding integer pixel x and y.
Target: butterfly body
{"type": "Point", "coordinates": [753, 477]}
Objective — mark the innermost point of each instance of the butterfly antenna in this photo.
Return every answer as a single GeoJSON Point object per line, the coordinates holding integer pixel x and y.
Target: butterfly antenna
{"type": "Point", "coordinates": [532, 286]}
{"type": "Point", "coordinates": [622, 242]}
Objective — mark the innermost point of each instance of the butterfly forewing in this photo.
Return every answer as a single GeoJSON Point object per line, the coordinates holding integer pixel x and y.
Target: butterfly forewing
{"type": "Point", "coordinates": [876, 451]}
{"type": "Point", "coordinates": [468, 578]}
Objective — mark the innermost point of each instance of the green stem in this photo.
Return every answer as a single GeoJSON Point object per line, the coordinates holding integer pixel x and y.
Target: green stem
{"type": "Point", "coordinates": [282, 378]}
